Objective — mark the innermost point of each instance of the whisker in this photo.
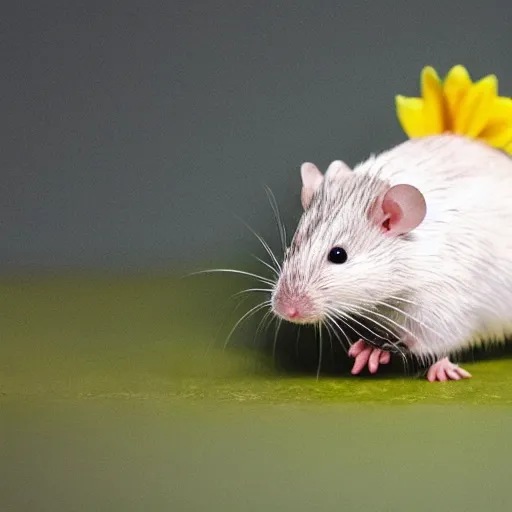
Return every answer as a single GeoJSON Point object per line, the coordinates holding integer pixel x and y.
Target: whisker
{"type": "Point", "coordinates": [408, 301]}
{"type": "Point", "coordinates": [333, 320]}
{"type": "Point", "coordinates": [268, 265]}
{"type": "Point", "coordinates": [402, 354]}
{"type": "Point", "coordinates": [419, 322]}
{"type": "Point", "coordinates": [252, 311]}
{"type": "Point", "coordinates": [330, 341]}
{"type": "Point", "coordinates": [221, 327]}
{"type": "Point", "coordinates": [274, 345]}
{"type": "Point", "coordinates": [411, 302]}
{"type": "Point", "coordinates": [263, 243]}
{"type": "Point", "coordinates": [235, 271]}
{"type": "Point", "coordinates": [265, 323]}
{"type": "Point", "coordinates": [261, 324]}
{"type": "Point", "coordinates": [270, 318]}
{"type": "Point", "coordinates": [329, 334]}
{"type": "Point", "coordinates": [332, 332]}
{"type": "Point", "coordinates": [352, 319]}
{"type": "Point", "coordinates": [378, 324]}
{"type": "Point", "coordinates": [280, 224]}
{"type": "Point", "coordinates": [399, 326]}
{"type": "Point", "coordinates": [372, 312]}
{"type": "Point", "coordinates": [297, 342]}
{"type": "Point", "coordinates": [320, 352]}
{"type": "Point", "coordinates": [249, 290]}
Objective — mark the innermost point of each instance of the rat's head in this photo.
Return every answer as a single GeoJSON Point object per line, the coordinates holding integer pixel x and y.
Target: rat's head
{"type": "Point", "coordinates": [351, 247]}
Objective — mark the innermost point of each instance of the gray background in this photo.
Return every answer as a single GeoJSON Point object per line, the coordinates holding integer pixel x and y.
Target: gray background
{"type": "Point", "coordinates": [133, 133]}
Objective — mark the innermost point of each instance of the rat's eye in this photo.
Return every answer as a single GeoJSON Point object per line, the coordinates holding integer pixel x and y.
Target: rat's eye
{"type": "Point", "coordinates": [337, 255]}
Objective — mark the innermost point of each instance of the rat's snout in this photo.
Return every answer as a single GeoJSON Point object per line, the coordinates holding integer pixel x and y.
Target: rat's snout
{"type": "Point", "coordinates": [293, 307]}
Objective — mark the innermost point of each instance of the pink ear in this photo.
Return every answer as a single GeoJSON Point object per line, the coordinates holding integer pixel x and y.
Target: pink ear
{"type": "Point", "coordinates": [312, 178]}
{"type": "Point", "coordinates": [338, 169]}
{"type": "Point", "coordinates": [400, 210]}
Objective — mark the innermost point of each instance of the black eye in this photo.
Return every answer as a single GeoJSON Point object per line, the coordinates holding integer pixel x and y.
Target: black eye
{"type": "Point", "coordinates": [337, 255]}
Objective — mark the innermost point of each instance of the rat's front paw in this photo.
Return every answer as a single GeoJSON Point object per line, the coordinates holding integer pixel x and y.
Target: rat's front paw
{"type": "Point", "coordinates": [366, 354]}
{"type": "Point", "coordinates": [445, 370]}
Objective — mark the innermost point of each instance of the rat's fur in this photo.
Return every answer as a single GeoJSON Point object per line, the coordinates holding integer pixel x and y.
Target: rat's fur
{"type": "Point", "coordinates": [442, 287]}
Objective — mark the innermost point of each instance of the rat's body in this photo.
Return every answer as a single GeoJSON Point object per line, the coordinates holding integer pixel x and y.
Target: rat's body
{"type": "Point", "coordinates": [427, 230]}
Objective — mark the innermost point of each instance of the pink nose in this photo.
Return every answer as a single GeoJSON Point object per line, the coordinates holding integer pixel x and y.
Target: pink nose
{"type": "Point", "coordinates": [290, 311]}
{"type": "Point", "coordinates": [296, 308]}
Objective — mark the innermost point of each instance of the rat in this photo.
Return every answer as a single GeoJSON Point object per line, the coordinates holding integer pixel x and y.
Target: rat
{"type": "Point", "coordinates": [417, 240]}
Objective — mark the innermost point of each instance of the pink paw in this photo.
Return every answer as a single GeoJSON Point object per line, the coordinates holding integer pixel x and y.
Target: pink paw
{"type": "Point", "coordinates": [365, 354]}
{"type": "Point", "coordinates": [445, 370]}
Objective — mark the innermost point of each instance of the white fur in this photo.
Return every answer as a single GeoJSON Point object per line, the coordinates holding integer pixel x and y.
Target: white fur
{"type": "Point", "coordinates": [453, 272]}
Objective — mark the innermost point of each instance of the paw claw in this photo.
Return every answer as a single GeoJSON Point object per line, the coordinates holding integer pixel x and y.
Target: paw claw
{"type": "Point", "coordinates": [445, 370]}
{"type": "Point", "coordinates": [464, 373]}
{"type": "Point", "coordinates": [453, 375]}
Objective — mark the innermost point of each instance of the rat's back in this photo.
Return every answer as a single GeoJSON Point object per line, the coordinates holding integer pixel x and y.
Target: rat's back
{"type": "Point", "coordinates": [450, 166]}
{"type": "Point", "coordinates": [462, 252]}
{"type": "Point", "coordinates": [467, 186]}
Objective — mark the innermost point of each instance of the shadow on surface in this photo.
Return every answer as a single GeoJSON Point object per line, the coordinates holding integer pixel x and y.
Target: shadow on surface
{"type": "Point", "coordinates": [299, 351]}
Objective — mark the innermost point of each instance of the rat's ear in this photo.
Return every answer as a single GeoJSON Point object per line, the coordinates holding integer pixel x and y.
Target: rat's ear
{"type": "Point", "coordinates": [312, 178]}
{"type": "Point", "coordinates": [400, 210]}
{"type": "Point", "coordinates": [337, 169]}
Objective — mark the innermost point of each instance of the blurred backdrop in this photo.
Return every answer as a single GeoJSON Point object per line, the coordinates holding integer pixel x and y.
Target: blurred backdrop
{"type": "Point", "coordinates": [134, 133]}
{"type": "Point", "coordinates": [133, 137]}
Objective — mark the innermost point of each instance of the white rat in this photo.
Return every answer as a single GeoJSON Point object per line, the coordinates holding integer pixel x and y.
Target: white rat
{"type": "Point", "coordinates": [417, 239]}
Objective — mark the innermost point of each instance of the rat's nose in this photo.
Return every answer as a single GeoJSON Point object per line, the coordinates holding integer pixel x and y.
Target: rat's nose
{"type": "Point", "coordinates": [290, 311]}
{"type": "Point", "coordinates": [296, 308]}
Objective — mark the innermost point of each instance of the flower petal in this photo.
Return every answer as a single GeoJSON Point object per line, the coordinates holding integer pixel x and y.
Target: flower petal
{"type": "Point", "coordinates": [456, 85]}
{"type": "Point", "coordinates": [497, 134]}
{"type": "Point", "coordinates": [434, 108]}
{"type": "Point", "coordinates": [502, 109]}
{"type": "Point", "coordinates": [410, 115]}
{"type": "Point", "coordinates": [498, 130]}
{"type": "Point", "coordinates": [474, 111]}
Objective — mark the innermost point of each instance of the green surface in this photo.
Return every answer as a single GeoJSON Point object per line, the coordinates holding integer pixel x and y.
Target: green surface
{"type": "Point", "coordinates": [162, 338]}
{"type": "Point", "coordinates": [115, 395]}
{"type": "Point", "coordinates": [119, 456]}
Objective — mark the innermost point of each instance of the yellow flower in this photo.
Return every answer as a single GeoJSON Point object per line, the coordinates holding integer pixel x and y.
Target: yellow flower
{"type": "Point", "coordinates": [458, 105]}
